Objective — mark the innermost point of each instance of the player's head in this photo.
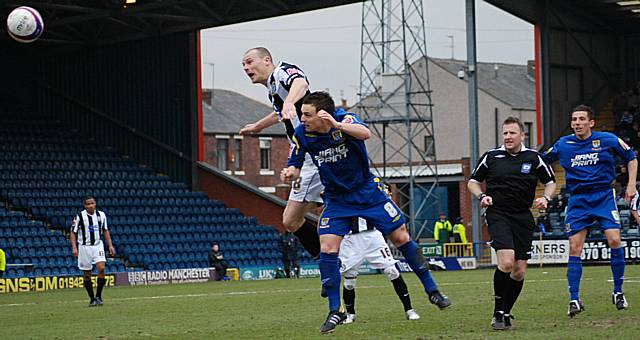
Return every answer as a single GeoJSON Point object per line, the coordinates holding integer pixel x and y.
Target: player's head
{"type": "Point", "coordinates": [257, 63]}
{"type": "Point", "coordinates": [313, 103]}
{"type": "Point", "coordinates": [512, 134]}
{"type": "Point", "coordinates": [89, 203]}
{"type": "Point", "coordinates": [582, 121]}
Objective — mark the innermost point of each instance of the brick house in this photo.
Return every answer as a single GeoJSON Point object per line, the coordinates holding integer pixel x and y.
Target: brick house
{"type": "Point", "coordinates": [256, 159]}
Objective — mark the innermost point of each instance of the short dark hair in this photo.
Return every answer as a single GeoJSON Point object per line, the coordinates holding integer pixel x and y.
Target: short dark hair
{"type": "Point", "coordinates": [262, 52]}
{"type": "Point", "coordinates": [514, 120]}
{"type": "Point", "coordinates": [321, 101]}
{"type": "Point", "coordinates": [86, 198]}
{"type": "Point", "coordinates": [585, 108]}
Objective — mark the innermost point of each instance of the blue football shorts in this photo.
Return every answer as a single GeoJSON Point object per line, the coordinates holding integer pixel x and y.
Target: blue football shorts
{"type": "Point", "coordinates": [338, 219]}
{"type": "Point", "coordinates": [586, 208]}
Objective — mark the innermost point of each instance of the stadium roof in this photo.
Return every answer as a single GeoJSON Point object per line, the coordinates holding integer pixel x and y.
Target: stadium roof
{"type": "Point", "coordinates": [615, 16]}
{"type": "Point", "coordinates": [508, 83]}
{"type": "Point", "coordinates": [231, 111]}
{"type": "Point", "coordinates": [100, 22]}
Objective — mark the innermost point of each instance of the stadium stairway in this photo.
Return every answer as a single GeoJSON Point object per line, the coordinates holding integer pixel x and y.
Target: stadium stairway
{"type": "Point", "coordinates": [46, 170]}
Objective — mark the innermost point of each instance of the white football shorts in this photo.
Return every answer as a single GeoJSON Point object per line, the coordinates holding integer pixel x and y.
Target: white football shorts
{"type": "Point", "coordinates": [90, 255]}
{"type": "Point", "coordinates": [308, 187]}
{"type": "Point", "coordinates": [366, 245]}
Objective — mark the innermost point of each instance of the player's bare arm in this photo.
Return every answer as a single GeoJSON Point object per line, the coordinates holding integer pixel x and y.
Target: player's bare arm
{"type": "Point", "coordinates": [298, 90]}
{"type": "Point", "coordinates": [358, 131]}
{"type": "Point", "coordinates": [549, 190]}
{"type": "Point", "coordinates": [476, 190]}
{"type": "Point", "coordinates": [74, 246]}
{"type": "Point", "coordinates": [269, 120]}
{"type": "Point", "coordinates": [632, 167]}
{"type": "Point", "coordinates": [107, 237]}
{"type": "Point", "coordinates": [289, 174]}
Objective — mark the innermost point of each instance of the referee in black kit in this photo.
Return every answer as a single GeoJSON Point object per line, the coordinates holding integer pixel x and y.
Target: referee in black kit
{"type": "Point", "coordinates": [512, 172]}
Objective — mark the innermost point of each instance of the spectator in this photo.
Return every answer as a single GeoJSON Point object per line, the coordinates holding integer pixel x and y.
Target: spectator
{"type": "Point", "coordinates": [289, 245]}
{"type": "Point", "coordinates": [542, 222]}
{"type": "Point", "coordinates": [459, 231]}
{"type": "Point", "coordinates": [441, 229]}
{"type": "Point", "coordinates": [216, 260]}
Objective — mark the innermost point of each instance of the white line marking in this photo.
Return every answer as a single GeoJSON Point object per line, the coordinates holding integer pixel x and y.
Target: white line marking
{"type": "Point", "coordinates": [276, 291]}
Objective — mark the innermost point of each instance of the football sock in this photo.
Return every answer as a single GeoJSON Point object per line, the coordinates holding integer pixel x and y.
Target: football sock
{"type": "Point", "coordinates": [574, 273]}
{"type": "Point", "coordinates": [330, 275]}
{"type": "Point", "coordinates": [308, 236]}
{"type": "Point", "coordinates": [419, 265]}
{"type": "Point", "coordinates": [349, 298]}
{"type": "Point", "coordinates": [101, 282]}
{"type": "Point", "coordinates": [514, 292]}
{"type": "Point", "coordinates": [403, 293]}
{"type": "Point", "coordinates": [617, 269]}
{"type": "Point", "coordinates": [500, 285]}
{"type": "Point", "coordinates": [88, 285]}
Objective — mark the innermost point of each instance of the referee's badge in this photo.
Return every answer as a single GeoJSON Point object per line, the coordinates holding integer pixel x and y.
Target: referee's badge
{"type": "Point", "coordinates": [525, 168]}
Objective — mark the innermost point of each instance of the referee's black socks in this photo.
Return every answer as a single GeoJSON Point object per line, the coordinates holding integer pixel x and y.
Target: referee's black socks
{"type": "Point", "coordinates": [101, 283]}
{"type": "Point", "coordinates": [308, 236]}
{"type": "Point", "coordinates": [88, 285]}
{"type": "Point", "coordinates": [500, 285]}
{"type": "Point", "coordinates": [514, 292]}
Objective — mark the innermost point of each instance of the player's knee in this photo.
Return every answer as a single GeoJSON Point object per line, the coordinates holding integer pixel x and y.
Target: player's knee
{"type": "Point", "coordinates": [518, 274]}
{"type": "Point", "coordinates": [506, 266]}
{"type": "Point", "coordinates": [400, 236]}
{"type": "Point", "coordinates": [349, 283]}
{"type": "Point", "coordinates": [392, 272]}
{"type": "Point", "coordinates": [614, 242]}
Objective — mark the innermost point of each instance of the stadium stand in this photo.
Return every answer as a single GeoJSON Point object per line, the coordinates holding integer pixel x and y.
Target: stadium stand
{"type": "Point", "coordinates": [46, 169]}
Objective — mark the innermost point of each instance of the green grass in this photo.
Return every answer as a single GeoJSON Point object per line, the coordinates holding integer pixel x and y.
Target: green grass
{"type": "Point", "coordinates": [293, 309]}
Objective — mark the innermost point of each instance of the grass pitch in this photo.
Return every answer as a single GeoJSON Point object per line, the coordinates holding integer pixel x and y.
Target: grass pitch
{"type": "Point", "coordinates": [293, 309]}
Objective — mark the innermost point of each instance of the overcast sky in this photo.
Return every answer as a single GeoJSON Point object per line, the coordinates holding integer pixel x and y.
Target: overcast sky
{"type": "Point", "coordinates": [326, 44]}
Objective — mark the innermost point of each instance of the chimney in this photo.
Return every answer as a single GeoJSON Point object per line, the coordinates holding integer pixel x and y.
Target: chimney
{"type": "Point", "coordinates": [531, 68]}
{"type": "Point", "coordinates": [206, 96]}
{"type": "Point", "coordinates": [495, 70]}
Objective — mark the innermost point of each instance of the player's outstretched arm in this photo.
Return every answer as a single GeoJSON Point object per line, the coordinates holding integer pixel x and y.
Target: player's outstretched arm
{"type": "Point", "coordinates": [297, 91]}
{"type": "Point", "coordinates": [289, 174]}
{"type": "Point", "coordinates": [354, 130]}
{"type": "Point", "coordinates": [269, 120]}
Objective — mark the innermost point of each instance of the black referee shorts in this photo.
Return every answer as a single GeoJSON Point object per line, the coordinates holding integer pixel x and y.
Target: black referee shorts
{"type": "Point", "coordinates": [511, 231]}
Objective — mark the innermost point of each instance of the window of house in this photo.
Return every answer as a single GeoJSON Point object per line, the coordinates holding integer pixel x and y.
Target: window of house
{"type": "Point", "coordinates": [237, 154]}
{"type": "Point", "coordinates": [265, 154]}
{"type": "Point", "coordinates": [429, 148]}
{"type": "Point", "coordinates": [223, 149]}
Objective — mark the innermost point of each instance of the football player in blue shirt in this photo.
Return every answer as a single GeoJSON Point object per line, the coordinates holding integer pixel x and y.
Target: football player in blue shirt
{"type": "Point", "coordinates": [335, 141]}
{"type": "Point", "coordinates": [589, 160]}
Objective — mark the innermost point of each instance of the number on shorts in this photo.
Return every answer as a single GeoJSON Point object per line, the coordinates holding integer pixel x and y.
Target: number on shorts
{"type": "Point", "coordinates": [101, 253]}
{"type": "Point", "coordinates": [385, 252]}
{"type": "Point", "coordinates": [391, 210]}
{"type": "Point", "coordinates": [296, 183]}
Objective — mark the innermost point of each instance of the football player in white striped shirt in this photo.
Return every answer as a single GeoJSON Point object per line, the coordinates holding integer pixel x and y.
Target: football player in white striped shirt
{"type": "Point", "coordinates": [287, 85]}
{"type": "Point", "coordinates": [88, 248]}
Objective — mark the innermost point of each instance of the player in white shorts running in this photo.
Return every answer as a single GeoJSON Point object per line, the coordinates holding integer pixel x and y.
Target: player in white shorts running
{"type": "Point", "coordinates": [365, 243]}
{"type": "Point", "coordinates": [287, 85]}
{"type": "Point", "coordinates": [87, 227]}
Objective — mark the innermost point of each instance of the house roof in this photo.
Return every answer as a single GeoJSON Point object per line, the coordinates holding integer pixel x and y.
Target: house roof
{"type": "Point", "coordinates": [231, 111]}
{"type": "Point", "coordinates": [509, 83]}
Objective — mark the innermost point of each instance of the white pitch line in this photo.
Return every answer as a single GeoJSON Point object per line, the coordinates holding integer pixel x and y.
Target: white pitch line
{"type": "Point", "coordinates": [278, 291]}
